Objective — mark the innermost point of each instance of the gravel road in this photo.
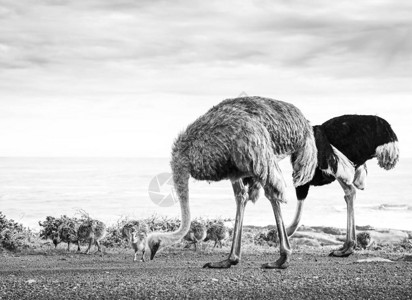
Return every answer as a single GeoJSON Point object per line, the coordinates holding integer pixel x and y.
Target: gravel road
{"type": "Point", "coordinates": [179, 274]}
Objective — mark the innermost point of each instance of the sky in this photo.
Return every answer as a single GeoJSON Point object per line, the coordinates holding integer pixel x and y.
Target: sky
{"type": "Point", "coordinates": [123, 78]}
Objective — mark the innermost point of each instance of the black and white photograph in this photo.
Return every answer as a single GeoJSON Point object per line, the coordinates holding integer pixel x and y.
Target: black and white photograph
{"type": "Point", "coordinates": [248, 149]}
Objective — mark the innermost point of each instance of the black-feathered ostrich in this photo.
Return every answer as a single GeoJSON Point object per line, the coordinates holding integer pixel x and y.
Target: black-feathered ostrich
{"type": "Point", "coordinates": [344, 145]}
{"type": "Point", "coordinates": [242, 140]}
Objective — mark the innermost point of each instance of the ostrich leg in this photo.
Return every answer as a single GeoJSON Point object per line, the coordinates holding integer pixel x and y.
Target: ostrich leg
{"type": "Point", "coordinates": [98, 246]}
{"type": "Point", "coordinates": [285, 251]}
{"type": "Point", "coordinates": [234, 256]}
{"type": "Point", "coordinates": [135, 253]}
{"type": "Point", "coordinates": [350, 243]}
{"type": "Point", "coordinates": [90, 245]}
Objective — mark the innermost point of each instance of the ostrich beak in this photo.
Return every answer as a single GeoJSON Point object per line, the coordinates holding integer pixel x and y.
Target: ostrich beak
{"type": "Point", "coordinates": [153, 250]}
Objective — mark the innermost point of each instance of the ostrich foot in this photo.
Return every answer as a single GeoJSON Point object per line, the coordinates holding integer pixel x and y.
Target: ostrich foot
{"type": "Point", "coordinates": [281, 263]}
{"type": "Point", "coordinates": [346, 250]}
{"type": "Point", "coordinates": [224, 264]}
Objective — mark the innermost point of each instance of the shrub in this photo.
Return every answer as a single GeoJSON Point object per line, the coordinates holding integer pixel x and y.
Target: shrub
{"type": "Point", "coordinates": [157, 223]}
{"type": "Point", "coordinates": [51, 225]}
{"type": "Point", "coordinates": [114, 236]}
{"type": "Point", "coordinates": [13, 235]}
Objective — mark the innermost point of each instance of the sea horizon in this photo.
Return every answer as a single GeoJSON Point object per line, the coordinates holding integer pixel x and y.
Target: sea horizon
{"type": "Point", "coordinates": [111, 188]}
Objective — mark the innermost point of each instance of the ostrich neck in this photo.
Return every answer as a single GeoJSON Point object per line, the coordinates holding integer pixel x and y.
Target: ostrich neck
{"type": "Point", "coordinates": [181, 186]}
{"type": "Point", "coordinates": [184, 227]}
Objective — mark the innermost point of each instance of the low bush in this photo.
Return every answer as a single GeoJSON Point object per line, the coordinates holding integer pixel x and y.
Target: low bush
{"type": "Point", "coordinates": [13, 236]}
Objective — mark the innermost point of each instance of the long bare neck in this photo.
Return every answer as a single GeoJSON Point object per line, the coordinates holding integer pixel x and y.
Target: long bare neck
{"type": "Point", "coordinates": [182, 189]}
{"type": "Point", "coordinates": [181, 175]}
{"type": "Point", "coordinates": [174, 237]}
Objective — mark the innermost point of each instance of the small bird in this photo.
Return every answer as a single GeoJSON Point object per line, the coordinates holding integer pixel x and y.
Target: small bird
{"type": "Point", "coordinates": [363, 239]}
{"type": "Point", "coordinates": [196, 233]}
{"type": "Point", "coordinates": [127, 229]}
{"type": "Point", "coordinates": [217, 232]}
{"type": "Point", "coordinates": [138, 235]}
{"type": "Point", "coordinates": [67, 232]}
{"type": "Point", "coordinates": [92, 231]}
{"type": "Point", "coordinates": [272, 237]}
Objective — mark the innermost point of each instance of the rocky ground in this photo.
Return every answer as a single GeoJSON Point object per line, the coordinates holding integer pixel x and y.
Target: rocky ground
{"type": "Point", "coordinates": [178, 274]}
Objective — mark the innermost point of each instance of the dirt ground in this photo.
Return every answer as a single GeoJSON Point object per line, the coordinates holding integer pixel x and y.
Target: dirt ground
{"type": "Point", "coordinates": [179, 274]}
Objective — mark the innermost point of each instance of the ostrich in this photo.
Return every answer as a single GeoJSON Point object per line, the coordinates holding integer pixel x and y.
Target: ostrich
{"type": "Point", "coordinates": [196, 233]}
{"type": "Point", "coordinates": [242, 139]}
{"type": "Point", "coordinates": [92, 231]}
{"type": "Point", "coordinates": [138, 235]}
{"type": "Point", "coordinates": [344, 145]}
{"type": "Point", "coordinates": [217, 232]}
{"type": "Point", "coordinates": [67, 232]}
{"type": "Point", "coordinates": [364, 240]}
{"type": "Point", "coordinates": [127, 229]}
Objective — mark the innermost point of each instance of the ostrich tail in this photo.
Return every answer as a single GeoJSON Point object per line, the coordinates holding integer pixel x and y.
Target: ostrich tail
{"type": "Point", "coordinates": [304, 162]}
{"type": "Point", "coordinates": [388, 155]}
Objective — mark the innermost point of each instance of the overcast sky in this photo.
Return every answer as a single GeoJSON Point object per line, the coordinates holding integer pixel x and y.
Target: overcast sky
{"type": "Point", "coordinates": [95, 78]}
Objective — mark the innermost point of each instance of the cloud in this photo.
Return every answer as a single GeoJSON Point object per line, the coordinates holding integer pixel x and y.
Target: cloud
{"type": "Point", "coordinates": [129, 60]}
{"type": "Point", "coordinates": [154, 34]}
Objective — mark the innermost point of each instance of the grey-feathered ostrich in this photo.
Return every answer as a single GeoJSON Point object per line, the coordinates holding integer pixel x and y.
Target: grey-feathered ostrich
{"type": "Point", "coordinates": [138, 235]}
{"type": "Point", "coordinates": [242, 140]}
{"type": "Point", "coordinates": [196, 233]}
{"type": "Point", "coordinates": [344, 145]}
{"type": "Point", "coordinates": [217, 232]}
{"type": "Point", "coordinates": [67, 232]}
{"type": "Point", "coordinates": [92, 231]}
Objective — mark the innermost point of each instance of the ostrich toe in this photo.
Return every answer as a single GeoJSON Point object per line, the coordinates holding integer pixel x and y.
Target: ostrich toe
{"type": "Point", "coordinates": [281, 263]}
{"type": "Point", "coordinates": [347, 249]}
{"type": "Point", "coordinates": [224, 264]}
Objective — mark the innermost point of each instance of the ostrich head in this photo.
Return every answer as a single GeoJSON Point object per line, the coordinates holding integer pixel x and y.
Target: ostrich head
{"type": "Point", "coordinates": [92, 224]}
{"type": "Point", "coordinates": [133, 234]}
{"type": "Point", "coordinates": [56, 239]}
{"type": "Point", "coordinates": [157, 241]}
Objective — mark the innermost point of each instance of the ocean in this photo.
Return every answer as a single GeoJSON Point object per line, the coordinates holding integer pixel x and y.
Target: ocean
{"type": "Point", "coordinates": [112, 188]}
